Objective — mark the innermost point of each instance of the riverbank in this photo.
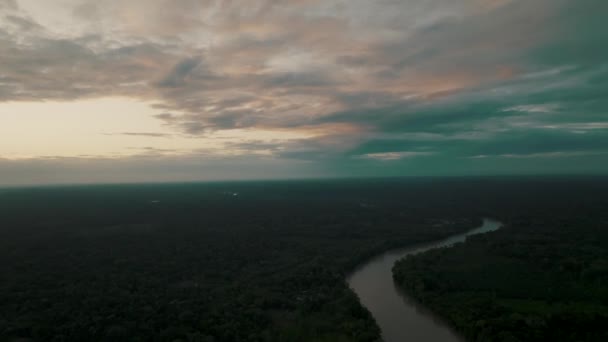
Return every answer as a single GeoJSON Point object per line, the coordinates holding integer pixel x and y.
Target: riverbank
{"type": "Point", "coordinates": [397, 318]}
{"type": "Point", "coordinates": [542, 279]}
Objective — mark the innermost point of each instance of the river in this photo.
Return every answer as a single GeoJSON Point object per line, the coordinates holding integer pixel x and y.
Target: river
{"type": "Point", "coordinates": [400, 319]}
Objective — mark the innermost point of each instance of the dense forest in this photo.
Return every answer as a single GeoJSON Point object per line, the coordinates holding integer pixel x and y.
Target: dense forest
{"type": "Point", "coordinates": [542, 277]}
{"type": "Point", "coordinates": [202, 262]}
{"type": "Point", "coordinates": [267, 261]}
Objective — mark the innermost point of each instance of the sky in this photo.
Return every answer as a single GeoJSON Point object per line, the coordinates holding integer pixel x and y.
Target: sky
{"type": "Point", "coordinates": [185, 90]}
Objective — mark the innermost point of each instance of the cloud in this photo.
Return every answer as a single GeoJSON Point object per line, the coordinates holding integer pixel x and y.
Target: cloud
{"type": "Point", "coordinates": [387, 156]}
{"type": "Point", "coordinates": [143, 134]}
{"type": "Point", "coordinates": [179, 73]}
{"type": "Point", "coordinates": [435, 78]}
{"type": "Point", "coordinates": [150, 166]}
{"type": "Point", "coordinates": [558, 154]}
{"type": "Point", "coordinates": [8, 5]}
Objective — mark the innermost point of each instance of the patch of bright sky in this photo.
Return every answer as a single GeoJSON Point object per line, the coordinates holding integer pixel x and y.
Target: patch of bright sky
{"type": "Point", "coordinates": [96, 127]}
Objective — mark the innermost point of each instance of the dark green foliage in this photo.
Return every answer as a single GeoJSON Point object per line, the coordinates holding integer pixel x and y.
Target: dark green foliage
{"type": "Point", "coordinates": [543, 277]}
{"type": "Point", "coordinates": [194, 262]}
